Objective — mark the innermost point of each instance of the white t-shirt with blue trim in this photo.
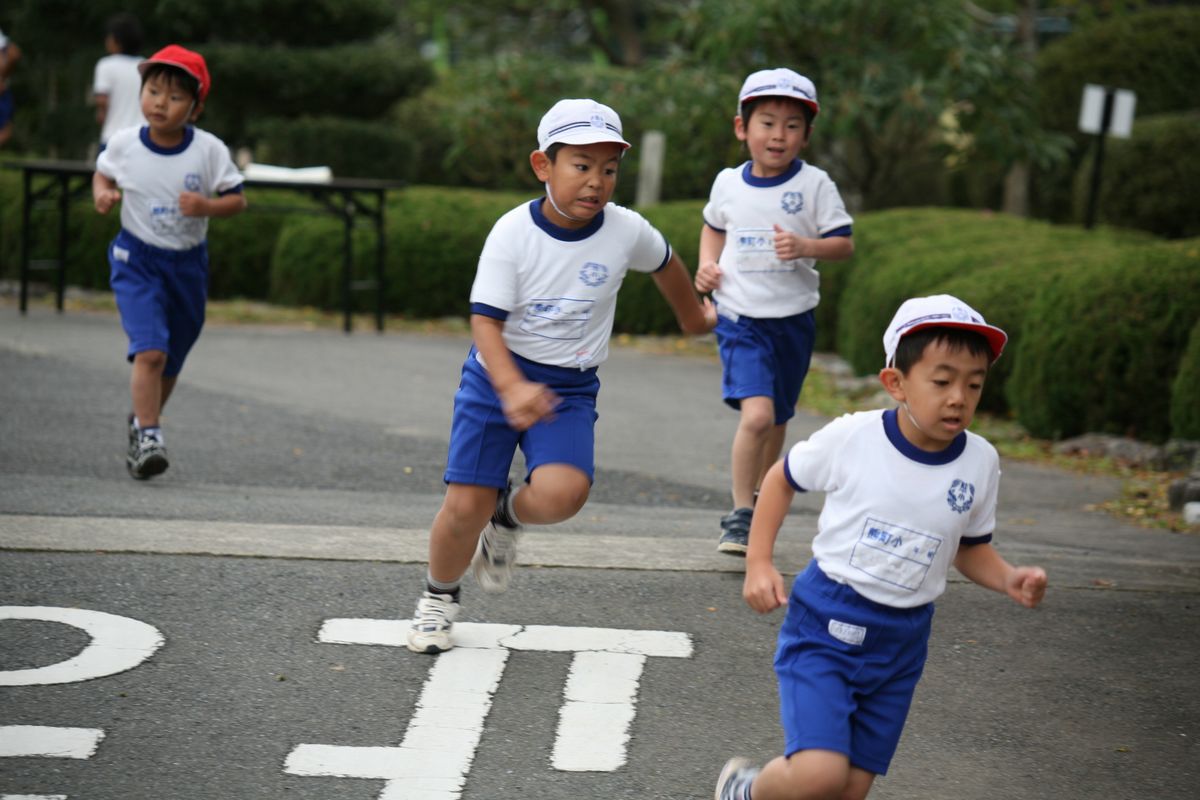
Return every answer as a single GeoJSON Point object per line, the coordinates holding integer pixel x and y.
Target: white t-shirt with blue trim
{"type": "Point", "coordinates": [151, 179]}
{"type": "Point", "coordinates": [556, 288]}
{"type": "Point", "coordinates": [754, 282]}
{"type": "Point", "coordinates": [894, 514]}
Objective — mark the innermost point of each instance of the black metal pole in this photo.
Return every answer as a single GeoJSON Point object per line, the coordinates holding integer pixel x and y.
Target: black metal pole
{"type": "Point", "coordinates": [347, 260]}
{"type": "Point", "coordinates": [27, 202]}
{"type": "Point", "coordinates": [380, 286]}
{"type": "Point", "coordinates": [1098, 165]}
{"type": "Point", "coordinates": [64, 197]}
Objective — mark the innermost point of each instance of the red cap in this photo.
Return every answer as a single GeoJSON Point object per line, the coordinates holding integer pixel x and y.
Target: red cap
{"type": "Point", "coordinates": [190, 62]}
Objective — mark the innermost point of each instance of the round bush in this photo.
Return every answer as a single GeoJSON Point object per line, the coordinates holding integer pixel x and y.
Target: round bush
{"type": "Point", "coordinates": [1185, 391]}
{"type": "Point", "coordinates": [1101, 345]}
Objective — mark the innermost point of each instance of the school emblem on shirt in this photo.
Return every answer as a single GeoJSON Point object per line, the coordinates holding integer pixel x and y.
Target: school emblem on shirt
{"type": "Point", "coordinates": [961, 496]}
{"type": "Point", "coordinates": [793, 202]}
{"type": "Point", "coordinates": [191, 181]}
{"type": "Point", "coordinates": [593, 274]}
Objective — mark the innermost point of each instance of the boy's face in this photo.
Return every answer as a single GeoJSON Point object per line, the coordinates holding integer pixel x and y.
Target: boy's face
{"type": "Point", "coordinates": [939, 394]}
{"type": "Point", "coordinates": [581, 180]}
{"type": "Point", "coordinates": [167, 106]}
{"type": "Point", "coordinates": [775, 134]}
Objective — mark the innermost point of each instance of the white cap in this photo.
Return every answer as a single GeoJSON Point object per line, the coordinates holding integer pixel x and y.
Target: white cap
{"type": "Point", "coordinates": [942, 311]}
{"type": "Point", "coordinates": [579, 122]}
{"type": "Point", "coordinates": [781, 82]}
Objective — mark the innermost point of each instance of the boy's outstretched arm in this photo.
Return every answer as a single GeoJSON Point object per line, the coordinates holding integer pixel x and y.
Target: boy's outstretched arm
{"type": "Point", "coordinates": [983, 565]}
{"type": "Point", "coordinates": [693, 316]}
{"type": "Point", "coordinates": [763, 588]}
{"type": "Point", "coordinates": [524, 402]}
{"type": "Point", "coordinates": [708, 274]}
{"type": "Point", "coordinates": [834, 248]}
{"type": "Point", "coordinates": [194, 204]}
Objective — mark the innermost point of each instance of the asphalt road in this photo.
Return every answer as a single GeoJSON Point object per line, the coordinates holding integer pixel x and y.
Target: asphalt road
{"type": "Point", "coordinates": [306, 466]}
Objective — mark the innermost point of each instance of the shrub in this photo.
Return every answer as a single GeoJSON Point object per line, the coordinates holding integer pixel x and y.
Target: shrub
{"type": "Point", "coordinates": [1148, 179]}
{"type": "Point", "coordinates": [351, 148]}
{"type": "Point", "coordinates": [1101, 345]}
{"type": "Point", "coordinates": [1185, 392]}
{"type": "Point", "coordinates": [480, 123]}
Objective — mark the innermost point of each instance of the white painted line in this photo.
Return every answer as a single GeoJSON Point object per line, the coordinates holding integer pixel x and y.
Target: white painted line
{"type": "Point", "coordinates": [47, 742]}
{"type": "Point", "coordinates": [435, 756]}
{"type": "Point", "coordinates": [118, 644]}
{"type": "Point", "coordinates": [593, 723]}
{"type": "Point", "coordinates": [439, 746]}
{"type": "Point", "coordinates": [33, 797]}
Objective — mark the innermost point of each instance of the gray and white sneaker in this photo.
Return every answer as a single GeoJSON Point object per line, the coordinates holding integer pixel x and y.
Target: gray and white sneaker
{"type": "Point", "coordinates": [432, 623]}
{"type": "Point", "coordinates": [147, 455]}
{"type": "Point", "coordinates": [735, 779]}
{"type": "Point", "coordinates": [496, 553]}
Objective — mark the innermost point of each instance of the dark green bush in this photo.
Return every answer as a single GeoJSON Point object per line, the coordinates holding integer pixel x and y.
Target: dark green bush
{"type": "Point", "coordinates": [351, 148]}
{"type": "Point", "coordinates": [1101, 345]}
{"type": "Point", "coordinates": [359, 80]}
{"type": "Point", "coordinates": [1185, 392]}
{"type": "Point", "coordinates": [1149, 180]}
{"type": "Point", "coordinates": [994, 262]}
{"type": "Point", "coordinates": [480, 123]}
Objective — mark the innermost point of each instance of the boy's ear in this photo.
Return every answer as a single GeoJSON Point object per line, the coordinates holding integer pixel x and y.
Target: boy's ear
{"type": "Point", "coordinates": [739, 128]}
{"type": "Point", "coordinates": [541, 165]}
{"type": "Point", "coordinates": [890, 378]}
{"type": "Point", "coordinates": [196, 111]}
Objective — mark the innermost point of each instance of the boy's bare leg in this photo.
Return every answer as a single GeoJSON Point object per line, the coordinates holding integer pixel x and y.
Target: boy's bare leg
{"type": "Point", "coordinates": [456, 528]}
{"type": "Point", "coordinates": [812, 775]}
{"type": "Point", "coordinates": [146, 386]}
{"type": "Point", "coordinates": [555, 492]}
{"type": "Point", "coordinates": [771, 451]}
{"type": "Point", "coordinates": [753, 433]}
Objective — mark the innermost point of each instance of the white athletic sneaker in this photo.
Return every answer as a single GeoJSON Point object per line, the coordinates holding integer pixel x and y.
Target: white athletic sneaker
{"type": "Point", "coordinates": [735, 779]}
{"type": "Point", "coordinates": [432, 622]}
{"type": "Point", "coordinates": [492, 565]}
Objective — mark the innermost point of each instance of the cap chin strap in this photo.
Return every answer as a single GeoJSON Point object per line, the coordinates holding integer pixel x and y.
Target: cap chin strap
{"type": "Point", "coordinates": [550, 197]}
{"type": "Point", "coordinates": [913, 419]}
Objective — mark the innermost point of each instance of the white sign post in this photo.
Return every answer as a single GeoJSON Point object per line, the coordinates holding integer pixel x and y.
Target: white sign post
{"type": "Point", "coordinates": [1104, 112]}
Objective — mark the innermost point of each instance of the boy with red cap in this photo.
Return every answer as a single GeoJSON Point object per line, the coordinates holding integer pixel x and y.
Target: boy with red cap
{"type": "Point", "coordinates": [169, 177]}
{"type": "Point", "coordinates": [766, 225]}
{"type": "Point", "coordinates": [909, 492]}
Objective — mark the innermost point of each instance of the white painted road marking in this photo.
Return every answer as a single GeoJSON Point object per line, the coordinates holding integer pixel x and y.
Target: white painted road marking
{"type": "Point", "coordinates": [118, 644]}
{"type": "Point", "coordinates": [33, 797]}
{"type": "Point", "coordinates": [39, 740]}
{"type": "Point", "coordinates": [434, 758]}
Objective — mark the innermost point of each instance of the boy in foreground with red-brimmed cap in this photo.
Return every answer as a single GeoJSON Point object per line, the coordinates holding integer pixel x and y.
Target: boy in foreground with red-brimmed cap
{"type": "Point", "coordinates": [909, 492]}
{"type": "Point", "coordinates": [169, 177]}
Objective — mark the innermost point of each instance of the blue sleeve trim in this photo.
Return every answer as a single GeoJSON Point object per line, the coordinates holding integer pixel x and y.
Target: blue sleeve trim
{"type": "Point", "coordinates": [842, 231]}
{"type": "Point", "coordinates": [484, 310]}
{"type": "Point", "coordinates": [667, 258]}
{"type": "Point", "coordinates": [714, 227]}
{"type": "Point", "coordinates": [787, 473]}
{"type": "Point", "coordinates": [235, 190]}
{"type": "Point", "coordinates": [974, 540]}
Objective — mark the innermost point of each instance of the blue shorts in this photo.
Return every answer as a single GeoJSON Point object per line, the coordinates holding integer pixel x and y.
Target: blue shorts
{"type": "Point", "coordinates": [7, 106]}
{"type": "Point", "coordinates": [161, 295]}
{"type": "Point", "coordinates": [482, 443]}
{"type": "Point", "coordinates": [847, 670]}
{"type": "Point", "coordinates": [766, 358]}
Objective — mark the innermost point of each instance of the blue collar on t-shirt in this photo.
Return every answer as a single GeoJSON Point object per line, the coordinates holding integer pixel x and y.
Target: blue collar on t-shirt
{"type": "Point", "coordinates": [778, 180]}
{"type": "Point", "coordinates": [891, 426]}
{"type": "Point", "coordinates": [560, 233]}
{"type": "Point", "coordinates": [189, 133]}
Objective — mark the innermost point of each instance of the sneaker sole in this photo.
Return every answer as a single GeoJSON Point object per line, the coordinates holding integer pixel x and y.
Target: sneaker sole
{"type": "Point", "coordinates": [490, 580]}
{"type": "Point", "coordinates": [731, 766]}
{"type": "Point", "coordinates": [155, 465]}
{"type": "Point", "coordinates": [430, 648]}
{"type": "Point", "coordinates": [733, 548]}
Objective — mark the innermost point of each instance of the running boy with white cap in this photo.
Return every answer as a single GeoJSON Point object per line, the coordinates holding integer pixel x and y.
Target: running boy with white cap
{"type": "Point", "coordinates": [766, 224]}
{"type": "Point", "coordinates": [542, 309]}
{"type": "Point", "coordinates": [169, 177]}
{"type": "Point", "coordinates": [909, 492]}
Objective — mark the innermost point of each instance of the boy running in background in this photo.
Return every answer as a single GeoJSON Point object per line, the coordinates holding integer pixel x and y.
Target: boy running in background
{"type": "Point", "coordinates": [165, 175]}
{"type": "Point", "coordinates": [766, 224]}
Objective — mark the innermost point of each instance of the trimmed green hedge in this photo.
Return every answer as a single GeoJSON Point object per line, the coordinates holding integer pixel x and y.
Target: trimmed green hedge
{"type": "Point", "coordinates": [351, 148]}
{"type": "Point", "coordinates": [1102, 344]}
{"type": "Point", "coordinates": [994, 262]}
{"type": "Point", "coordinates": [1185, 391]}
